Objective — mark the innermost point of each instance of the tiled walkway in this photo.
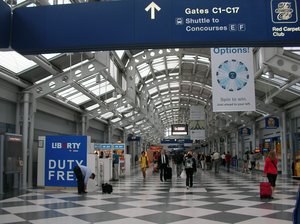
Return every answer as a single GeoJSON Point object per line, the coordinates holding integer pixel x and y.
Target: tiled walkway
{"type": "Point", "coordinates": [214, 199]}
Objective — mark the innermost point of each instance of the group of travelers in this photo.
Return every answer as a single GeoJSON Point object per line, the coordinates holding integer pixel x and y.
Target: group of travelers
{"type": "Point", "coordinates": [185, 163]}
{"type": "Point", "coordinates": [188, 163]}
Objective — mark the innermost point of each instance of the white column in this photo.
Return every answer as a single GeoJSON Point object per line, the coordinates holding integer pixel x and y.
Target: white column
{"type": "Point", "coordinates": [25, 137]}
{"type": "Point", "coordinates": [31, 139]}
{"type": "Point", "coordinates": [18, 109]}
{"type": "Point", "coordinates": [283, 145]}
{"type": "Point", "coordinates": [109, 132]}
{"type": "Point", "coordinates": [237, 144]}
{"type": "Point", "coordinates": [83, 125]}
{"type": "Point", "coordinates": [253, 136]}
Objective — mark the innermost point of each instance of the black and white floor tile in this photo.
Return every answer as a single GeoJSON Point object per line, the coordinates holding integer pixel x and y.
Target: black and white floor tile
{"type": "Point", "coordinates": [214, 199]}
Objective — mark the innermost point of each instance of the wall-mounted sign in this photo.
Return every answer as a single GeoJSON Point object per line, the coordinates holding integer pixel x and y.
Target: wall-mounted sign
{"type": "Point", "coordinates": [179, 129]}
{"type": "Point", "coordinates": [245, 131]}
{"type": "Point", "coordinates": [133, 138]}
{"type": "Point", "coordinates": [271, 122]}
{"type": "Point", "coordinates": [62, 154]}
{"type": "Point", "coordinates": [102, 146]}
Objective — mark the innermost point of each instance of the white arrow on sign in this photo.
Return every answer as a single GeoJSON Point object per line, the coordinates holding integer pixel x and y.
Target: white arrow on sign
{"type": "Point", "coordinates": [153, 7]}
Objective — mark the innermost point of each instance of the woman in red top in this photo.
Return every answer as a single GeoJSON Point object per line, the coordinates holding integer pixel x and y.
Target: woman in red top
{"type": "Point", "coordinates": [270, 169]}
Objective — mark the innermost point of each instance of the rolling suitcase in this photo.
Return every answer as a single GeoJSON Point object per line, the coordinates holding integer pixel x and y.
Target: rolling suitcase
{"type": "Point", "coordinates": [265, 190]}
{"type": "Point", "coordinates": [168, 173]}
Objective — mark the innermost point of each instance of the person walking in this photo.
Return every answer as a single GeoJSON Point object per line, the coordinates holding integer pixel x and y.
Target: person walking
{"type": "Point", "coordinates": [246, 162]}
{"type": "Point", "coordinates": [252, 161]}
{"type": "Point", "coordinates": [217, 161]}
{"type": "Point", "coordinates": [116, 161]}
{"type": "Point", "coordinates": [202, 161]}
{"type": "Point", "coordinates": [178, 160]}
{"type": "Point", "coordinates": [82, 174]}
{"type": "Point", "coordinates": [270, 169]}
{"type": "Point", "coordinates": [144, 163]}
{"type": "Point", "coordinates": [190, 168]}
{"type": "Point", "coordinates": [228, 161]}
{"type": "Point", "coordinates": [163, 163]}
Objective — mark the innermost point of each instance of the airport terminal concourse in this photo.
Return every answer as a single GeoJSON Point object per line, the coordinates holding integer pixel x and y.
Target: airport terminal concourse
{"type": "Point", "coordinates": [185, 110]}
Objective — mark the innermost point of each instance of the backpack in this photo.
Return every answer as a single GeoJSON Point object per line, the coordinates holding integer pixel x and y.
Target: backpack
{"type": "Point", "coordinates": [107, 188]}
{"type": "Point", "coordinates": [189, 163]}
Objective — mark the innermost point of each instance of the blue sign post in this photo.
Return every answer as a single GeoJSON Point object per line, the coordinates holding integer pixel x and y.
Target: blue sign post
{"type": "Point", "coordinates": [62, 154]}
{"type": "Point", "coordinates": [131, 24]}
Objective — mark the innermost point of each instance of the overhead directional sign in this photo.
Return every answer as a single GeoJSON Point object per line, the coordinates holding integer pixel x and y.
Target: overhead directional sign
{"type": "Point", "coordinates": [153, 8]}
{"type": "Point", "coordinates": [140, 24]}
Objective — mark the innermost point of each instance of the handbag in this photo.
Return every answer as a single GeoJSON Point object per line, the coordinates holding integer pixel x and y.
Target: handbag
{"type": "Point", "coordinates": [183, 174]}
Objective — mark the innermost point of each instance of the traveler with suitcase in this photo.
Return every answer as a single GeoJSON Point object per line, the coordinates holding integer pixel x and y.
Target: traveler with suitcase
{"type": "Point", "coordinates": [270, 170]}
{"type": "Point", "coordinates": [190, 168]}
{"type": "Point", "coordinates": [163, 164]}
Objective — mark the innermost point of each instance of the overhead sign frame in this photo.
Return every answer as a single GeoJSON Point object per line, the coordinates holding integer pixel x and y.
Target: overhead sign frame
{"type": "Point", "coordinates": [127, 24]}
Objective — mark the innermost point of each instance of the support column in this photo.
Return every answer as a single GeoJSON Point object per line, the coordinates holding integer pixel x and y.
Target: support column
{"type": "Point", "coordinates": [226, 144]}
{"type": "Point", "coordinates": [253, 136]}
{"type": "Point", "coordinates": [25, 137]}
{"type": "Point", "coordinates": [283, 145]}
{"type": "Point", "coordinates": [18, 109]}
{"type": "Point", "coordinates": [83, 125]}
{"type": "Point", "coordinates": [125, 141]}
{"type": "Point", "coordinates": [237, 144]}
{"type": "Point", "coordinates": [110, 130]}
{"type": "Point", "coordinates": [31, 139]}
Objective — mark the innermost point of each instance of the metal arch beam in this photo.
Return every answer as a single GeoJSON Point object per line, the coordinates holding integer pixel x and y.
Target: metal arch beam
{"type": "Point", "coordinates": [169, 80]}
{"type": "Point", "coordinates": [66, 78]}
{"type": "Point", "coordinates": [281, 65]}
{"type": "Point", "coordinates": [113, 82]}
{"type": "Point", "coordinates": [44, 63]}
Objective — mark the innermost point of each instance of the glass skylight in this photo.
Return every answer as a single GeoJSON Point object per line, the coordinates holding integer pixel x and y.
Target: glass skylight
{"type": "Point", "coordinates": [153, 90]}
{"type": "Point", "coordinates": [78, 98]}
{"type": "Point", "coordinates": [50, 56]}
{"type": "Point", "coordinates": [164, 86]}
{"type": "Point", "coordinates": [15, 62]}
{"type": "Point", "coordinates": [59, 2]}
{"type": "Point", "coordinates": [144, 70]}
{"type": "Point", "coordinates": [174, 84]}
{"type": "Point", "coordinates": [107, 115]}
{"type": "Point", "coordinates": [92, 107]}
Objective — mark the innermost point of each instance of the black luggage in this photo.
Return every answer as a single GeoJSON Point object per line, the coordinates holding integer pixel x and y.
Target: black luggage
{"type": "Point", "coordinates": [107, 188]}
{"type": "Point", "coordinates": [168, 173]}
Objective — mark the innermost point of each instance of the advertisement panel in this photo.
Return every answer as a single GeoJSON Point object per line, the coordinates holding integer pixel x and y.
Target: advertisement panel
{"type": "Point", "coordinates": [232, 79]}
{"type": "Point", "coordinates": [197, 123]}
{"type": "Point", "coordinates": [62, 154]}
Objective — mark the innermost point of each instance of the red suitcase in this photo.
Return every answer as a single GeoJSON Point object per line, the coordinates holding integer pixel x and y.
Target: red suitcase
{"type": "Point", "coordinates": [265, 190]}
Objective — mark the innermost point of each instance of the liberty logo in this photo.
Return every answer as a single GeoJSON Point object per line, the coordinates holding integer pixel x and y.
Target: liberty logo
{"type": "Point", "coordinates": [284, 11]}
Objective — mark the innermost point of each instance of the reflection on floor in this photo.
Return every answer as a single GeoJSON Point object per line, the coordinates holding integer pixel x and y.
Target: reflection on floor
{"type": "Point", "coordinates": [214, 199]}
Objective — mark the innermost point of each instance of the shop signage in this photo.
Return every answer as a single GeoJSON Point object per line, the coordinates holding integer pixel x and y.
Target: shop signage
{"type": "Point", "coordinates": [62, 154]}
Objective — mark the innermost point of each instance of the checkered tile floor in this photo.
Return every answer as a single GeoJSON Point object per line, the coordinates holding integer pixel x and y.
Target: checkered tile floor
{"type": "Point", "coordinates": [214, 199]}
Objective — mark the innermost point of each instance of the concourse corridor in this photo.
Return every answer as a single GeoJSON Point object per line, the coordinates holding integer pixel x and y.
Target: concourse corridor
{"type": "Point", "coordinates": [214, 199]}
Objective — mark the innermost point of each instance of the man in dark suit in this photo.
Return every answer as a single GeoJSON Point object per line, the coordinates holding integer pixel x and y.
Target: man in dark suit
{"type": "Point", "coordinates": [163, 163]}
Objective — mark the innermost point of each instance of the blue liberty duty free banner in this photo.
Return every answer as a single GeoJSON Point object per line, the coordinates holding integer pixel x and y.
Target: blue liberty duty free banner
{"type": "Point", "coordinates": [62, 154]}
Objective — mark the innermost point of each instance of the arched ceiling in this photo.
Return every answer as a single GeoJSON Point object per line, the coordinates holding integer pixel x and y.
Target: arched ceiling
{"type": "Point", "coordinates": [167, 81]}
